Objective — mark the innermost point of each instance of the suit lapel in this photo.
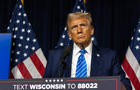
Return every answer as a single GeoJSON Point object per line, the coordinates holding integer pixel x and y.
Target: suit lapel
{"type": "Point", "coordinates": [95, 61]}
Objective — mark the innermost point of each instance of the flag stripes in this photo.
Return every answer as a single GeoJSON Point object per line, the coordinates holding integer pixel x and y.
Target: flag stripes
{"type": "Point", "coordinates": [131, 66]}
{"type": "Point", "coordinates": [32, 67]}
{"type": "Point", "coordinates": [37, 64]}
{"type": "Point", "coordinates": [24, 71]}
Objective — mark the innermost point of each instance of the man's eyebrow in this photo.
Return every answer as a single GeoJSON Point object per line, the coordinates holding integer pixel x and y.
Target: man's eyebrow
{"type": "Point", "coordinates": [82, 24]}
{"type": "Point", "coordinates": [74, 26]}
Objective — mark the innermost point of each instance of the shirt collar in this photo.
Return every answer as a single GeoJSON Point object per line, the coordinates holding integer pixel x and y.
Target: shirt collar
{"type": "Point", "coordinates": [76, 49]}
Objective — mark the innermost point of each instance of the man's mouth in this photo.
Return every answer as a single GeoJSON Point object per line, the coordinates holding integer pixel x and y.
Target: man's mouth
{"type": "Point", "coordinates": [80, 37]}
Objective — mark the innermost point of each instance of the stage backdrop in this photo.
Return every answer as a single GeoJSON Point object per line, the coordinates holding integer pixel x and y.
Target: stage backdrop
{"type": "Point", "coordinates": [114, 20]}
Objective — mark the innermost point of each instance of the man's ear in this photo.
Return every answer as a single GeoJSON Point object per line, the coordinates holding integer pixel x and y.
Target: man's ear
{"type": "Point", "coordinates": [69, 33]}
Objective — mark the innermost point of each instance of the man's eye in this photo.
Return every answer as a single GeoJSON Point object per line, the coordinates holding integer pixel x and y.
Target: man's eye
{"type": "Point", "coordinates": [74, 27]}
{"type": "Point", "coordinates": [82, 25]}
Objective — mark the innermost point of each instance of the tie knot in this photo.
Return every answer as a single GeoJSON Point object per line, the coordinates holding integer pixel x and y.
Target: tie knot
{"type": "Point", "coordinates": [83, 51]}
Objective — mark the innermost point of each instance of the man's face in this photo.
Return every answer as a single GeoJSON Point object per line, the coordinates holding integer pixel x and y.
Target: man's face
{"type": "Point", "coordinates": [80, 31]}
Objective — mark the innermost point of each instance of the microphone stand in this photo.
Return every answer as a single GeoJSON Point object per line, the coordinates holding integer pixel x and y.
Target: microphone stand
{"type": "Point", "coordinates": [66, 52]}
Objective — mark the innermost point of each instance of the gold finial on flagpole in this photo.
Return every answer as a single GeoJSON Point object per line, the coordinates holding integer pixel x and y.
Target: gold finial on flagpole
{"type": "Point", "coordinates": [84, 1]}
{"type": "Point", "coordinates": [22, 2]}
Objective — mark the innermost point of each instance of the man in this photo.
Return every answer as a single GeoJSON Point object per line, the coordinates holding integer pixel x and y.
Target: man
{"type": "Point", "coordinates": [84, 59]}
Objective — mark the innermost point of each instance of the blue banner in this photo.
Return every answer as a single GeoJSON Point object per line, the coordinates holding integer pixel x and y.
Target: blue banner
{"type": "Point", "coordinates": [5, 45]}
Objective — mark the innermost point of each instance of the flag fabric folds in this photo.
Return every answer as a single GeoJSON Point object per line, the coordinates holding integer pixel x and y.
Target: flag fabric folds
{"type": "Point", "coordinates": [64, 39]}
{"type": "Point", "coordinates": [27, 59]}
{"type": "Point", "coordinates": [131, 63]}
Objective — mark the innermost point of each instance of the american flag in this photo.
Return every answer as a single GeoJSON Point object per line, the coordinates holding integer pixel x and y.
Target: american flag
{"type": "Point", "coordinates": [64, 39]}
{"type": "Point", "coordinates": [27, 59]}
{"type": "Point", "coordinates": [131, 63]}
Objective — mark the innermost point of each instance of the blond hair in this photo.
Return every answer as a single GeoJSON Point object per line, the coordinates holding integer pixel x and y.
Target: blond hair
{"type": "Point", "coordinates": [77, 15]}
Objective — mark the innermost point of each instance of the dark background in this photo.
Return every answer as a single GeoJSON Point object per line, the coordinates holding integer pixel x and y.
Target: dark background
{"type": "Point", "coordinates": [114, 20]}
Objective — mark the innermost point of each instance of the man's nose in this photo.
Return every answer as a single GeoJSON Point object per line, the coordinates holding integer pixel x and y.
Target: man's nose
{"type": "Point", "coordinates": [79, 29]}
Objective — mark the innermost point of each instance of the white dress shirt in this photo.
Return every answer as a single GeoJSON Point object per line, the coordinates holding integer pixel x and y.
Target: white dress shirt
{"type": "Point", "coordinates": [76, 54]}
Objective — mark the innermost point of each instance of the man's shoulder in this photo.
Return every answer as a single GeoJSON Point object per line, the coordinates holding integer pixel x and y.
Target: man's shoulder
{"type": "Point", "coordinates": [106, 54]}
{"type": "Point", "coordinates": [105, 51]}
{"type": "Point", "coordinates": [57, 49]}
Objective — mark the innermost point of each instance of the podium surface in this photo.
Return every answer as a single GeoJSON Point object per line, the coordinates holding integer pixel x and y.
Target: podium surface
{"type": "Point", "coordinates": [92, 83]}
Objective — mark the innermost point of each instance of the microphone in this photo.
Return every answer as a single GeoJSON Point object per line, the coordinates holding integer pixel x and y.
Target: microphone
{"type": "Point", "coordinates": [66, 52]}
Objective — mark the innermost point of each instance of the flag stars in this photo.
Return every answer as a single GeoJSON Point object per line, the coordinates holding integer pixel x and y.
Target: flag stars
{"type": "Point", "coordinates": [78, 7]}
{"type": "Point", "coordinates": [23, 30]}
{"type": "Point", "coordinates": [18, 52]}
{"type": "Point", "coordinates": [8, 27]}
{"type": "Point", "coordinates": [20, 6]}
{"type": "Point", "coordinates": [25, 54]}
{"type": "Point", "coordinates": [61, 44]}
{"type": "Point", "coordinates": [63, 36]}
{"type": "Point", "coordinates": [65, 28]}
{"type": "Point", "coordinates": [18, 21]}
{"type": "Point", "coordinates": [13, 29]}
{"type": "Point", "coordinates": [139, 30]}
{"type": "Point", "coordinates": [16, 60]}
{"type": "Point", "coordinates": [29, 24]}
{"type": "Point", "coordinates": [131, 38]}
{"type": "Point", "coordinates": [16, 28]}
{"type": "Point", "coordinates": [23, 22]}
{"type": "Point", "coordinates": [14, 36]}
{"type": "Point", "coordinates": [29, 31]}
{"type": "Point", "coordinates": [19, 14]}
{"type": "Point", "coordinates": [138, 38]}
{"type": "Point", "coordinates": [10, 20]}
{"type": "Point", "coordinates": [69, 38]}
{"type": "Point", "coordinates": [24, 14]}
{"type": "Point", "coordinates": [34, 40]}
{"type": "Point", "coordinates": [33, 48]}
{"type": "Point", "coordinates": [19, 45]}
{"type": "Point", "coordinates": [28, 39]}
{"type": "Point", "coordinates": [137, 47]}
{"type": "Point", "coordinates": [98, 55]}
{"type": "Point", "coordinates": [21, 37]}
{"type": "Point", "coordinates": [26, 47]}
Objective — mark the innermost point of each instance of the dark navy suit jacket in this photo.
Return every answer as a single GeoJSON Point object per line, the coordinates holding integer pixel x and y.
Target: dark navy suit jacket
{"type": "Point", "coordinates": [104, 62]}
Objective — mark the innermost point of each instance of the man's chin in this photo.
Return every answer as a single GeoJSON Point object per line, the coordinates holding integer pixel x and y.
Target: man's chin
{"type": "Point", "coordinates": [81, 43]}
